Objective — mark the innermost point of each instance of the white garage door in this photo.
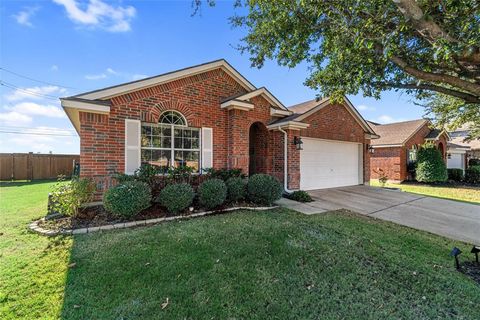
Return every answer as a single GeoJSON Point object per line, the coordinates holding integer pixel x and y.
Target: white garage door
{"type": "Point", "coordinates": [329, 164]}
{"type": "Point", "coordinates": [456, 161]}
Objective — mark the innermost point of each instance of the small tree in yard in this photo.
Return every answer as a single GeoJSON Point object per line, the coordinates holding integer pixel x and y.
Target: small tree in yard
{"type": "Point", "coordinates": [430, 165]}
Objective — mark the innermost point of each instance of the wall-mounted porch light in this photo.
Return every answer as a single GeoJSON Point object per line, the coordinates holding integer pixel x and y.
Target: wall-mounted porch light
{"type": "Point", "coordinates": [455, 253]}
{"type": "Point", "coordinates": [370, 148]}
{"type": "Point", "coordinates": [449, 155]}
{"type": "Point", "coordinates": [297, 141]}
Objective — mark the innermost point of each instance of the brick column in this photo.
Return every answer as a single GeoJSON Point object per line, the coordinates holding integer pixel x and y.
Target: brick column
{"type": "Point", "coordinates": [293, 161]}
{"type": "Point", "coordinates": [238, 140]}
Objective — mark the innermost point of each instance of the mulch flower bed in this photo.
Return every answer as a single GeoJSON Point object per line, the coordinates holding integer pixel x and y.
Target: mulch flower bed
{"type": "Point", "coordinates": [96, 216]}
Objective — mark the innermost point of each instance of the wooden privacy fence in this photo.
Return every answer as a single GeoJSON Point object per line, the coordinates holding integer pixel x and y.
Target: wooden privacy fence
{"type": "Point", "coordinates": [32, 166]}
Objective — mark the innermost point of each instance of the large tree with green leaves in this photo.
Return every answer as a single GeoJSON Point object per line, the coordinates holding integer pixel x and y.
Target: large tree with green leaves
{"type": "Point", "coordinates": [423, 47]}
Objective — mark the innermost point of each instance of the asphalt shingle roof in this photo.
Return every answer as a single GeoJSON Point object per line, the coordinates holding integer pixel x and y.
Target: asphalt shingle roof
{"type": "Point", "coordinates": [395, 133]}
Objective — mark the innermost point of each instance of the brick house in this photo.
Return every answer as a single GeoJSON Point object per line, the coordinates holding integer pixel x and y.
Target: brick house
{"type": "Point", "coordinates": [211, 116]}
{"type": "Point", "coordinates": [398, 145]}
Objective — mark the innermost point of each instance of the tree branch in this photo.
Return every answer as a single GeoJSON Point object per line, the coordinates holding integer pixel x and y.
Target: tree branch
{"type": "Point", "coordinates": [468, 86]}
{"type": "Point", "coordinates": [431, 87]}
{"type": "Point", "coordinates": [427, 28]}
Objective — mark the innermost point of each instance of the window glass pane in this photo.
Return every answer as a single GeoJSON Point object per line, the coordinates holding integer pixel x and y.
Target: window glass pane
{"type": "Point", "coordinates": [161, 158]}
{"type": "Point", "coordinates": [166, 131]}
{"type": "Point", "coordinates": [192, 159]}
{"type": "Point", "coordinates": [195, 133]}
{"type": "Point", "coordinates": [172, 117]}
{"type": "Point", "coordinates": [187, 143]}
{"type": "Point", "coordinates": [166, 142]}
{"type": "Point", "coordinates": [146, 155]}
{"type": "Point", "coordinates": [146, 130]}
{"type": "Point", "coordinates": [156, 142]}
{"type": "Point", "coordinates": [187, 133]}
{"type": "Point", "coordinates": [179, 161]}
{"type": "Point", "coordinates": [195, 143]}
{"type": "Point", "coordinates": [146, 141]}
{"type": "Point", "coordinates": [177, 132]}
{"type": "Point", "coordinates": [156, 131]}
{"type": "Point", "coordinates": [178, 143]}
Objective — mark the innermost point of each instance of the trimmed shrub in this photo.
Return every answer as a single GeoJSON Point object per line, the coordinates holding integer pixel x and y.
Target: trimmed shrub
{"type": "Point", "coordinates": [225, 174]}
{"type": "Point", "coordinates": [472, 174]}
{"type": "Point", "coordinates": [300, 196]}
{"type": "Point", "coordinates": [455, 174]}
{"type": "Point", "coordinates": [176, 197]}
{"type": "Point", "coordinates": [474, 162]}
{"type": "Point", "coordinates": [127, 199]}
{"type": "Point", "coordinates": [67, 198]}
{"type": "Point", "coordinates": [212, 193]}
{"type": "Point", "coordinates": [236, 188]}
{"type": "Point", "coordinates": [264, 189]}
{"type": "Point", "coordinates": [430, 165]}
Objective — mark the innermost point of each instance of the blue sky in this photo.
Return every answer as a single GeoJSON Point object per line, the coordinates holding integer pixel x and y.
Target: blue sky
{"type": "Point", "coordinates": [73, 46]}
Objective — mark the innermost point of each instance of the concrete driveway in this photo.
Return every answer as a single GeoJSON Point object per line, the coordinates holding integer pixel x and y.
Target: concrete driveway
{"type": "Point", "coordinates": [452, 219]}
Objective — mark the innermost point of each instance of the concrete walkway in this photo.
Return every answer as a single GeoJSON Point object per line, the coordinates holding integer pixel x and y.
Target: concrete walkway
{"type": "Point", "coordinates": [452, 219]}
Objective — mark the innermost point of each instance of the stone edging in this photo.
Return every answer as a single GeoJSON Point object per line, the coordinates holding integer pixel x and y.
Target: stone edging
{"type": "Point", "coordinates": [122, 225]}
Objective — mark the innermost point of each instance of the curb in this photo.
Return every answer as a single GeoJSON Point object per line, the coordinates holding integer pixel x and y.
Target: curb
{"type": "Point", "coordinates": [34, 227]}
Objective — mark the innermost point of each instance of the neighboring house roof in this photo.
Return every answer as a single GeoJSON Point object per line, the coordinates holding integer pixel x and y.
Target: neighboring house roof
{"type": "Point", "coordinates": [452, 145]}
{"type": "Point", "coordinates": [307, 108]}
{"type": "Point", "coordinates": [396, 134]}
{"type": "Point", "coordinates": [458, 138]}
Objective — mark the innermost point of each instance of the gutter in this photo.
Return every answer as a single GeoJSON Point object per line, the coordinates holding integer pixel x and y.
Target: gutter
{"type": "Point", "coordinates": [285, 166]}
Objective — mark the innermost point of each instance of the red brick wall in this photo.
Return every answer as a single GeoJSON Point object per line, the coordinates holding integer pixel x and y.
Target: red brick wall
{"type": "Point", "coordinates": [198, 99]}
{"type": "Point", "coordinates": [393, 160]}
{"type": "Point", "coordinates": [335, 122]}
{"type": "Point", "coordinates": [388, 160]}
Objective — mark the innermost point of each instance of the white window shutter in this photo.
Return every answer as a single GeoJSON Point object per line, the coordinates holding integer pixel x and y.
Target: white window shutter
{"type": "Point", "coordinates": [132, 145]}
{"type": "Point", "coordinates": [207, 148]}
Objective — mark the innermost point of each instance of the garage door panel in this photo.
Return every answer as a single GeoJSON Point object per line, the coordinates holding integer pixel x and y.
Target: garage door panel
{"type": "Point", "coordinates": [328, 164]}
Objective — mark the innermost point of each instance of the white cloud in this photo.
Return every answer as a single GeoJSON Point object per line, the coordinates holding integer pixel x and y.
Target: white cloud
{"type": "Point", "coordinates": [95, 76]}
{"type": "Point", "coordinates": [111, 71]}
{"type": "Point", "coordinates": [35, 93]}
{"type": "Point", "coordinates": [39, 139]}
{"type": "Point", "coordinates": [32, 108]}
{"type": "Point", "coordinates": [14, 119]}
{"type": "Point", "coordinates": [54, 67]}
{"type": "Point", "coordinates": [383, 119]}
{"type": "Point", "coordinates": [364, 107]}
{"type": "Point", "coordinates": [99, 14]}
{"type": "Point", "coordinates": [139, 76]}
{"type": "Point", "coordinates": [23, 17]}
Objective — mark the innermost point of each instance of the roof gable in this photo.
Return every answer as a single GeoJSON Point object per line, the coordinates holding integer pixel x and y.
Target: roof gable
{"type": "Point", "coordinates": [121, 89]}
{"type": "Point", "coordinates": [307, 108]}
{"type": "Point", "coordinates": [398, 133]}
{"type": "Point", "coordinates": [258, 92]}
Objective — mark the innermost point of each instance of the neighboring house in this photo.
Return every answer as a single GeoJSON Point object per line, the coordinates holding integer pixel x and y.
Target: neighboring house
{"type": "Point", "coordinates": [460, 151]}
{"type": "Point", "coordinates": [396, 150]}
{"type": "Point", "coordinates": [211, 116]}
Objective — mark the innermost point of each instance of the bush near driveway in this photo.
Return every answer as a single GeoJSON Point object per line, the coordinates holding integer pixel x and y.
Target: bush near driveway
{"type": "Point", "coordinates": [264, 189]}
{"type": "Point", "coordinates": [455, 174]}
{"type": "Point", "coordinates": [176, 197]}
{"type": "Point", "coordinates": [300, 196]}
{"type": "Point", "coordinates": [127, 199]}
{"type": "Point", "coordinates": [212, 193]}
{"type": "Point", "coordinates": [430, 165]}
{"type": "Point", "coordinates": [472, 174]}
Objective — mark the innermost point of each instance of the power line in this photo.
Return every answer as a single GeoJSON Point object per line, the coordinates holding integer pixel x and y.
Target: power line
{"type": "Point", "coordinates": [39, 134]}
{"type": "Point", "coordinates": [16, 127]}
{"type": "Point", "coordinates": [12, 86]}
{"type": "Point", "coordinates": [32, 79]}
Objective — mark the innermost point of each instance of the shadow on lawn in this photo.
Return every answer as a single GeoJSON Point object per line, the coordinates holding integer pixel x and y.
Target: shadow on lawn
{"type": "Point", "coordinates": [21, 183]}
{"type": "Point", "coordinates": [472, 270]}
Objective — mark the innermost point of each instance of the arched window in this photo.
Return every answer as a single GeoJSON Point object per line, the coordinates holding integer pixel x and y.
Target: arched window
{"type": "Point", "coordinates": [171, 143]}
{"type": "Point", "coordinates": [173, 117]}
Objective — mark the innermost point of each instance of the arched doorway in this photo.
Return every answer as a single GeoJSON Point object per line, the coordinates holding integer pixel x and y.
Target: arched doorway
{"type": "Point", "coordinates": [257, 151]}
{"type": "Point", "coordinates": [441, 149]}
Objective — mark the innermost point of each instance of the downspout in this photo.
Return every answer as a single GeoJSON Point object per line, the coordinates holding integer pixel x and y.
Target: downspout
{"type": "Point", "coordinates": [285, 166]}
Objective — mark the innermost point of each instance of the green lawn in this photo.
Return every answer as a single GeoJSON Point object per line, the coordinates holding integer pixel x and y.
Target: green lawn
{"type": "Point", "coordinates": [460, 193]}
{"type": "Point", "coordinates": [250, 265]}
